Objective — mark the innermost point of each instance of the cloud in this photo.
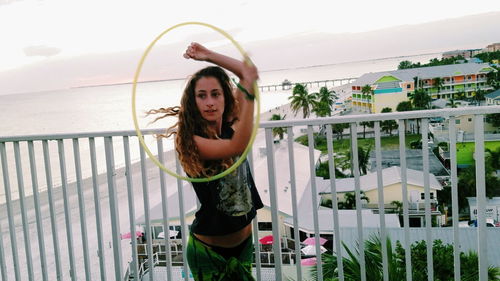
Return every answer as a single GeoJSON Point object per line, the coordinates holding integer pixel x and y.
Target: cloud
{"type": "Point", "coordinates": [41, 50]}
{"type": "Point", "coordinates": [7, 2]}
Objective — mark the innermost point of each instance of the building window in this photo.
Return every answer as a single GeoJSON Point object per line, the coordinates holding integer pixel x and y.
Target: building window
{"type": "Point", "coordinates": [265, 226]}
{"type": "Point", "coordinates": [408, 86]}
{"type": "Point", "coordinates": [469, 119]}
{"type": "Point", "coordinates": [457, 121]}
{"type": "Point", "coordinates": [422, 195]}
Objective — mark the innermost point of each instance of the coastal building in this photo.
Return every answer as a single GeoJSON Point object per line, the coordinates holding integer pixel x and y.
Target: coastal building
{"type": "Point", "coordinates": [492, 208]}
{"type": "Point", "coordinates": [493, 47]}
{"type": "Point", "coordinates": [347, 219]}
{"type": "Point", "coordinates": [389, 88]}
{"type": "Point", "coordinates": [393, 191]}
{"type": "Point", "coordinates": [469, 53]}
{"type": "Point", "coordinates": [493, 98]}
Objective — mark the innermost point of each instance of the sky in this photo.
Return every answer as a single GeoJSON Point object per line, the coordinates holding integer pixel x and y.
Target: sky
{"type": "Point", "coordinates": [35, 32]}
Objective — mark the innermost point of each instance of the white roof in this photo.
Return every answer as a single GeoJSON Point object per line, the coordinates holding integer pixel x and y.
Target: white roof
{"type": "Point", "coordinates": [390, 176]}
{"type": "Point", "coordinates": [489, 201]}
{"type": "Point", "coordinates": [282, 175]}
{"type": "Point", "coordinates": [424, 72]}
{"type": "Point", "coordinates": [347, 218]}
{"type": "Point", "coordinates": [156, 212]}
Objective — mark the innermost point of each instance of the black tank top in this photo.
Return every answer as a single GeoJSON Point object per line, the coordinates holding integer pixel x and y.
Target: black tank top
{"type": "Point", "coordinates": [227, 204]}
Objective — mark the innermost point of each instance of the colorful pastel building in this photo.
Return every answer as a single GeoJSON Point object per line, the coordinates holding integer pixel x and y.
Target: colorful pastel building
{"type": "Point", "coordinates": [389, 88]}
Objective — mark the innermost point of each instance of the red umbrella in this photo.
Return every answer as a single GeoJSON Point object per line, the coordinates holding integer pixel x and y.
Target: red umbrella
{"type": "Point", "coordinates": [266, 240]}
{"type": "Point", "coordinates": [128, 235]}
{"type": "Point", "coordinates": [312, 241]}
{"type": "Point", "coordinates": [309, 261]}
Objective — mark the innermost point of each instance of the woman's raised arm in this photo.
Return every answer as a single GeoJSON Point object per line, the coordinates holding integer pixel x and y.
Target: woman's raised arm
{"type": "Point", "coordinates": [247, 73]}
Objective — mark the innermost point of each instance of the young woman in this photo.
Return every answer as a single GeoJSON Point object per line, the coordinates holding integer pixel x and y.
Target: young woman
{"type": "Point", "coordinates": [214, 128]}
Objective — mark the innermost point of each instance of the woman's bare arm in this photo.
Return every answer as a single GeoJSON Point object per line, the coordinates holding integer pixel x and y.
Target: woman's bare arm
{"type": "Point", "coordinates": [247, 73]}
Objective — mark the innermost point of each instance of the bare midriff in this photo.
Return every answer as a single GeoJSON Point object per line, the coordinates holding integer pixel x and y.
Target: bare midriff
{"type": "Point", "coordinates": [230, 240]}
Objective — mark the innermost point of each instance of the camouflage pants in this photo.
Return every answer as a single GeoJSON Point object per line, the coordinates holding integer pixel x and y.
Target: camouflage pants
{"type": "Point", "coordinates": [208, 265]}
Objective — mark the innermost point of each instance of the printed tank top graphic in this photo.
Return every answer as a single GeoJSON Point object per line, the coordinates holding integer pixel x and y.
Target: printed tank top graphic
{"type": "Point", "coordinates": [235, 198]}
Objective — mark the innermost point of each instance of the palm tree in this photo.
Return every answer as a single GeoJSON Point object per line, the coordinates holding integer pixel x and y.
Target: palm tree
{"type": "Point", "coordinates": [398, 205]}
{"type": "Point", "coordinates": [389, 125]}
{"type": "Point", "coordinates": [452, 103]}
{"type": "Point", "coordinates": [349, 202]}
{"type": "Point", "coordinates": [479, 95]}
{"type": "Point", "coordinates": [405, 64]}
{"type": "Point", "coordinates": [438, 83]}
{"type": "Point", "coordinates": [369, 124]}
{"type": "Point", "coordinates": [404, 106]}
{"type": "Point", "coordinates": [324, 100]}
{"type": "Point", "coordinates": [363, 160]}
{"type": "Point", "coordinates": [339, 128]}
{"type": "Point", "coordinates": [493, 158]}
{"type": "Point", "coordinates": [278, 131]}
{"type": "Point", "coordinates": [492, 79]}
{"type": "Point", "coordinates": [396, 262]}
{"type": "Point", "coordinates": [460, 95]}
{"type": "Point", "coordinates": [367, 90]}
{"type": "Point", "coordinates": [420, 99]}
{"type": "Point", "coordinates": [373, 262]}
{"type": "Point", "coordinates": [417, 83]}
{"type": "Point", "coordinates": [301, 100]}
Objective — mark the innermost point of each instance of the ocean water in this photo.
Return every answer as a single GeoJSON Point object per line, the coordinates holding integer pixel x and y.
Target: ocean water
{"type": "Point", "coordinates": [108, 108]}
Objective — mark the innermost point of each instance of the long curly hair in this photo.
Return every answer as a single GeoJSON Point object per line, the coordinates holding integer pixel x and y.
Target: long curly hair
{"type": "Point", "coordinates": [191, 123]}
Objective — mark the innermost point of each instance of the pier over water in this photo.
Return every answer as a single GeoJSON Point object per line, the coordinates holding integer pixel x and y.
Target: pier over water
{"type": "Point", "coordinates": [287, 85]}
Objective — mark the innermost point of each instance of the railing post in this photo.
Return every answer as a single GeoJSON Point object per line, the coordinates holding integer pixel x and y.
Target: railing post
{"type": "Point", "coordinates": [164, 203]}
{"type": "Point", "coordinates": [10, 212]}
{"type": "Point", "coordinates": [295, 211]}
{"type": "Point", "coordinates": [39, 222]}
{"type": "Point", "coordinates": [255, 225]}
{"type": "Point", "coordinates": [454, 196]}
{"type": "Point", "coordinates": [428, 217]}
{"type": "Point", "coordinates": [145, 195]}
{"type": "Point", "coordinates": [53, 221]}
{"type": "Point", "coordinates": [81, 205]}
{"type": "Point", "coordinates": [381, 202]}
{"type": "Point", "coordinates": [357, 188]}
{"type": "Point", "coordinates": [97, 207]}
{"type": "Point", "coordinates": [184, 229]}
{"type": "Point", "coordinates": [314, 197]}
{"type": "Point", "coordinates": [67, 210]}
{"type": "Point", "coordinates": [335, 206]}
{"type": "Point", "coordinates": [481, 196]}
{"type": "Point", "coordinates": [26, 230]}
{"type": "Point", "coordinates": [274, 204]}
{"type": "Point", "coordinates": [113, 206]}
{"type": "Point", "coordinates": [404, 185]}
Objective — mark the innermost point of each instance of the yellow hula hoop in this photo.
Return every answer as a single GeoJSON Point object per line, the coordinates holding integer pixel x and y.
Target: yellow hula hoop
{"type": "Point", "coordinates": [136, 123]}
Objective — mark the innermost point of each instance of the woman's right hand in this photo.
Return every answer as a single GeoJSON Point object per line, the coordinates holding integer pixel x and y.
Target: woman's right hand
{"type": "Point", "coordinates": [197, 51]}
{"type": "Point", "coordinates": [249, 72]}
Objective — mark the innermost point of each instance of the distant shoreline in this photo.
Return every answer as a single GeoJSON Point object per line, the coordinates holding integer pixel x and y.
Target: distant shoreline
{"type": "Point", "coordinates": [263, 71]}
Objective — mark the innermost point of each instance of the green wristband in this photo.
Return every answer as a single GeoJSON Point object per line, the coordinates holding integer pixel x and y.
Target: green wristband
{"type": "Point", "coordinates": [245, 91]}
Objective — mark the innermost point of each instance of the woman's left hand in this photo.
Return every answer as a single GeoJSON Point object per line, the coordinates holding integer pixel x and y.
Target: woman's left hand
{"type": "Point", "coordinates": [197, 52]}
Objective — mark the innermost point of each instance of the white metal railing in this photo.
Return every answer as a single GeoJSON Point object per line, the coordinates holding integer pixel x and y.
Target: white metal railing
{"type": "Point", "coordinates": [56, 250]}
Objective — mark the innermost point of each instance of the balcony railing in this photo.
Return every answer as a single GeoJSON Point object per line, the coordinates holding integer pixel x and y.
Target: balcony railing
{"type": "Point", "coordinates": [71, 230]}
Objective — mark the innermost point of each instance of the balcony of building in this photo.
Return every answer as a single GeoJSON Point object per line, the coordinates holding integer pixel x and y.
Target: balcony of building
{"type": "Point", "coordinates": [69, 202]}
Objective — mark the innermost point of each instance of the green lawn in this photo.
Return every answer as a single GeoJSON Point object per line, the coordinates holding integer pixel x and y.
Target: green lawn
{"type": "Point", "coordinates": [466, 150]}
{"type": "Point", "coordinates": [339, 146]}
